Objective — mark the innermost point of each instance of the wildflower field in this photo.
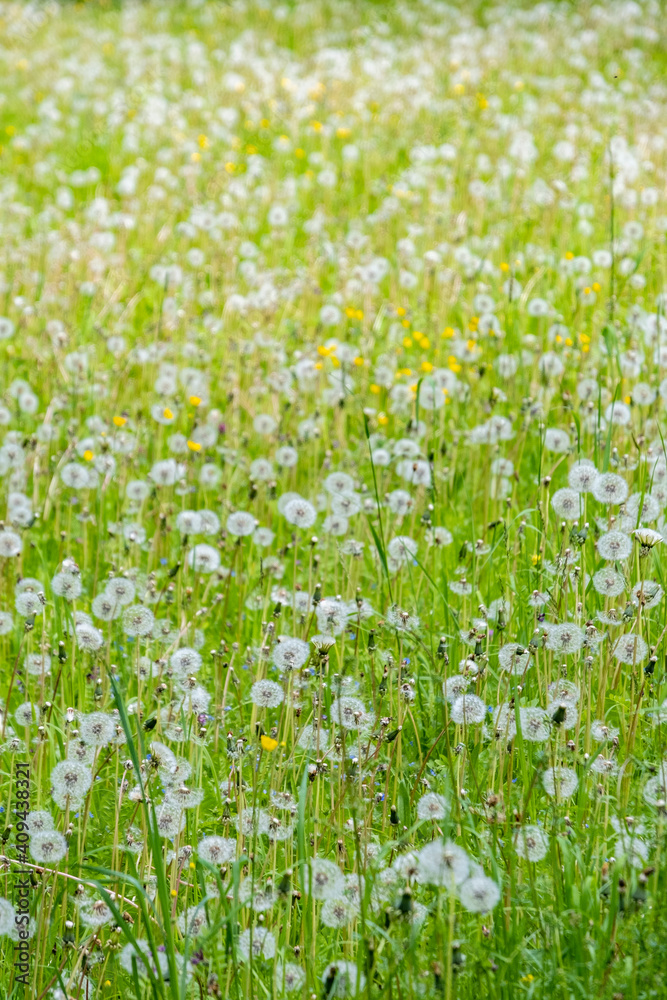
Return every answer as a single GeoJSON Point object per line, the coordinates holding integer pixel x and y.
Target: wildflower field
{"type": "Point", "coordinates": [333, 478]}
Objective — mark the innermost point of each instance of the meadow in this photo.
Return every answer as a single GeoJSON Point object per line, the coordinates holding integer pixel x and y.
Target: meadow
{"type": "Point", "coordinates": [333, 477]}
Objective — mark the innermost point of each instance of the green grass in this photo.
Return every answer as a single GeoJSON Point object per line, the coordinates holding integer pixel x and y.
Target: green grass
{"type": "Point", "coordinates": [340, 193]}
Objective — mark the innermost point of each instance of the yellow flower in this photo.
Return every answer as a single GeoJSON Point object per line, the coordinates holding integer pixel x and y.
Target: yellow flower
{"type": "Point", "coordinates": [383, 419]}
{"type": "Point", "coordinates": [268, 743]}
{"type": "Point", "coordinates": [299, 153]}
{"type": "Point", "coordinates": [203, 141]}
{"type": "Point", "coordinates": [448, 332]}
{"type": "Point", "coordinates": [407, 342]}
{"type": "Point", "coordinates": [194, 446]}
{"type": "Point", "coordinates": [195, 400]}
{"type": "Point", "coordinates": [375, 389]}
{"type": "Point", "coordinates": [167, 414]}
{"type": "Point", "coordinates": [88, 455]}
{"type": "Point", "coordinates": [358, 361]}
{"type": "Point", "coordinates": [400, 311]}
{"type": "Point", "coordinates": [120, 421]}
{"type": "Point", "coordinates": [427, 366]}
